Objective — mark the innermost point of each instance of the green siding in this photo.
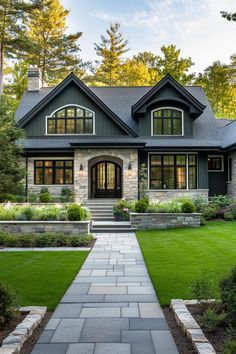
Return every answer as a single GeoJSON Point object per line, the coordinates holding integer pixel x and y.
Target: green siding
{"type": "Point", "coordinates": [168, 95]}
{"type": "Point", "coordinates": [202, 170]}
{"type": "Point", "coordinates": [104, 125]}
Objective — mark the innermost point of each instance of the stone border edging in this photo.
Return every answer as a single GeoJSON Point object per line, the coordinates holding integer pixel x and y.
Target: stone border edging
{"type": "Point", "coordinates": [47, 249]}
{"type": "Point", "coordinates": [190, 326]}
{"type": "Point", "coordinates": [14, 342]}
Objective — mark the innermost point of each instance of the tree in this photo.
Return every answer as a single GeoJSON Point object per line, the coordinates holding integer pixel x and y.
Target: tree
{"type": "Point", "coordinates": [11, 163]}
{"type": "Point", "coordinates": [13, 39]}
{"type": "Point", "coordinates": [150, 60]}
{"type": "Point", "coordinates": [171, 63]}
{"type": "Point", "coordinates": [133, 73]}
{"type": "Point", "coordinates": [55, 52]}
{"type": "Point", "coordinates": [17, 86]}
{"type": "Point", "coordinates": [111, 49]}
{"type": "Point", "coordinates": [229, 15]}
{"type": "Point", "coordinates": [216, 81]}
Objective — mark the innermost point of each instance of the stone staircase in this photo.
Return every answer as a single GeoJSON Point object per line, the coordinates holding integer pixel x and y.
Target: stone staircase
{"type": "Point", "coordinates": [102, 216]}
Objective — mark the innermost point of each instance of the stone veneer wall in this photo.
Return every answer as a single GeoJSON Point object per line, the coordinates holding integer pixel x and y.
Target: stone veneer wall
{"type": "Point", "coordinates": [55, 190]}
{"type": "Point", "coordinates": [67, 227]}
{"type": "Point", "coordinates": [148, 221]}
{"type": "Point", "coordinates": [164, 195]}
{"type": "Point", "coordinates": [231, 186]}
{"type": "Point", "coordinates": [129, 177]}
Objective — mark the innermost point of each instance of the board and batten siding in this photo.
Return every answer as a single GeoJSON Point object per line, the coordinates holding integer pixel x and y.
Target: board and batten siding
{"type": "Point", "coordinates": [104, 126]}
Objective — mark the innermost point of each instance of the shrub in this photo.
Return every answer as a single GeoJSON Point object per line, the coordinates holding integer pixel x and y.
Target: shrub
{"type": "Point", "coordinates": [141, 205]}
{"type": "Point", "coordinates": [220, 201]}
{"type": "Point", "coordinates": [199, 203]}
{"type": "Point", "coordinates": [8, 305]}
{"type": "Point", "coordinates": [228, 215]}
{"type": "Point", "coordinates": [229, 347]}
{"type": "Point", "coordinates": [202, 221]}
{"type": "Point", "coordinates": [63, 215]}
{"type": "Point", "coordinates": [78, 241]}
{"type": "Point", "coordinates": [211, 320]}
{"type": "Point", "coordinates": [25, 240]}
{"type": "Point", "coordinates": [122, 209]}
{"type": "Point", "coordinates": [28, 213]}
{"type": "Point", "coordinates": [45, 196]}
{"type": "Point", "coordinates": [7, 213]}
{"type": "Point", "coordinates": [202, 290]}
{"type": "Point", "coordinates": [49, 213]}
{"type": "Point", "coordinates": [209, 212]}
{"type": "Point", "coordinates": [75, 212]}
{"type": "Point", "coordinates": [67, 195]}
{"type": "Point", "coordinates": [32, 198]}
{"type": "Point", "coordinates": [188, 207]}
{"type": "Point", "coordinates": [228, 295]}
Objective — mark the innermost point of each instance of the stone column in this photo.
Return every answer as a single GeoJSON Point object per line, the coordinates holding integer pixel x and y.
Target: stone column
{"type": "Point", "coordinates": [231, 187]}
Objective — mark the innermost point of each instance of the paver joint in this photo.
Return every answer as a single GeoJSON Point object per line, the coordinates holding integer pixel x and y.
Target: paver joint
{"type": "Point", "coordinates": [111, 306]}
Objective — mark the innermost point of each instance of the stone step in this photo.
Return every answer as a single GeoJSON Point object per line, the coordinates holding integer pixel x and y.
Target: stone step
{"type": "Point", "coordinates": [107, 229]}
{"type": "Point", "coordinates": [100, 207]}
{"type": "Point", "coordinates": [103, 218]}
{"type": "Point", "coordinates": [111, 224]}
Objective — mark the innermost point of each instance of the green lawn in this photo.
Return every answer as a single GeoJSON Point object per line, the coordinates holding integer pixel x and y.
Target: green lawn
{"type": "Point", "coordinates": [41, 278]}
{"type": "Point", "coordinates": [178, 256]}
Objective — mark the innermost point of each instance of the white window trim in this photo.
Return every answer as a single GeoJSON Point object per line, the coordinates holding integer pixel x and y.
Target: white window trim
{"type": "Point", "coordinates": [228, 180]}
{"type": "Point", "coordinates": [69, 105]}
{"type": "Point", "coordinates": [222, 163]}
{"type": "Point", "coordinates": [161, 108]}
{"type": "Point", "coordinates": [172, 153]}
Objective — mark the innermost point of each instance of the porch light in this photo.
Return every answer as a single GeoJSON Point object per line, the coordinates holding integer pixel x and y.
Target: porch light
{"type": "Point", "coordinates": [81, 168]}
{"type": "Point", "coordinates": [130, 166]}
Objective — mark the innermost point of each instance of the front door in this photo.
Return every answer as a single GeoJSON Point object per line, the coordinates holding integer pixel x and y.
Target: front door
{"type": "Point", "coordinates": [106, 180]}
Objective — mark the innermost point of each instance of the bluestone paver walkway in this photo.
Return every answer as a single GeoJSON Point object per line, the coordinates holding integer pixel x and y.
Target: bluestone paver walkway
{"type": "Point", "coordinates": [111, 306]}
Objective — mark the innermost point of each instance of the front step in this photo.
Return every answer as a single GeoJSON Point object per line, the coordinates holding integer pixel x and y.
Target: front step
{"type": "Point", "coordinates": [108, 230]}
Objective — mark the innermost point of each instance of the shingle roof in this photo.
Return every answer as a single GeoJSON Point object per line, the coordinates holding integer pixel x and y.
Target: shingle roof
{"type": "Point", "coordinates": [207, 131]}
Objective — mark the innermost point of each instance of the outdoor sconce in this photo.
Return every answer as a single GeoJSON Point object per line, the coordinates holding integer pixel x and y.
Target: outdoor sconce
{"type": "Point", "coordinates": [130, 166]}
{"type": "Point", "coordinates": [81, 168]}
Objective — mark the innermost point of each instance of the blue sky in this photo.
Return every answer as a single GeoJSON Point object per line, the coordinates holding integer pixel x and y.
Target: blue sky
{"type": "Point", "coordinates": [195, 26]}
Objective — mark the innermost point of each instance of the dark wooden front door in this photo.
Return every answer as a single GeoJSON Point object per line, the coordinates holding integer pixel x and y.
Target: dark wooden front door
{"type": "Point", "coordinates": [106, 180]}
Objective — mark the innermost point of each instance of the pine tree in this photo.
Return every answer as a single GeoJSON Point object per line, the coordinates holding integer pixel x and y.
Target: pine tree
{"type": "Point", "coordinates": [55, 52]}
{"type": "Point", "coordinates": [11, 162]}
{"type": "Point", "coordinates": [111, 49]}
{"type": "Point", "coordinates": [13, 39]}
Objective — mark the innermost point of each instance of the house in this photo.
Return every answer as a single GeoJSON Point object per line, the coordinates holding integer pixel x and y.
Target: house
{"type": "Point", "coordinates": [94, 139]}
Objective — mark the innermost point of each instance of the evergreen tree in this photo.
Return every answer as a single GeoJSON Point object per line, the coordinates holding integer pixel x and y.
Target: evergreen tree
{"type": "Point", "coordinates": [13, 39]}
{"type": "Point", "coordinates": [217, 83]}
{"type": "Point", "coordinates": [171, 63]}
{"type": "Point", "coordinates": [11, 162]}
{"type": "Point", "coordinates": [229, 15]}
{"type": "Point", "coordinates": [111, 49]}
{"type": "Point", "coordinates": [18, 83]}
{"type": "Point", "coordinates": [55, 52]}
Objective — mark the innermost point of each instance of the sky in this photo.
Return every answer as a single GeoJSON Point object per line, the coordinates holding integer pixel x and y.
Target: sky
{"type": "Point", "coordinates": [194, 26]}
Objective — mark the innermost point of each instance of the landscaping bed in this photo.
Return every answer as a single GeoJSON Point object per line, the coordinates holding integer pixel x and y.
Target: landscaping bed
{"type": "Point", "coordinates": [10, 327]}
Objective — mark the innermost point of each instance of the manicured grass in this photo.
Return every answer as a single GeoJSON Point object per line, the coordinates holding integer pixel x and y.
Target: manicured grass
{"type": "Point", "coordinates": [41, 278]}
{"type": "Point", "coordinates": [176, 257]}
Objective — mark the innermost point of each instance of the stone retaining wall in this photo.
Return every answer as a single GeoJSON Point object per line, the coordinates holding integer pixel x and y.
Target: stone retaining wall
{"type": "Point", "coordinates": [67, 227]}
{"type": "Point", "coordinates": [148, 221]}
{"type": "Point", "coordinates": [165, 195]}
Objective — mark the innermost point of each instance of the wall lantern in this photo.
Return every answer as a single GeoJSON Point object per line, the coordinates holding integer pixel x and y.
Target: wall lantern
{"type": "Point", "coordinates": [130, 166]}
{"type": "Point", "coordinates": [81, 167]}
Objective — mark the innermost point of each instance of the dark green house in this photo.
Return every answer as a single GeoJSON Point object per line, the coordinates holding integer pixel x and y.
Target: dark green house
{"type": "Point", "coordinates": [94, 139]}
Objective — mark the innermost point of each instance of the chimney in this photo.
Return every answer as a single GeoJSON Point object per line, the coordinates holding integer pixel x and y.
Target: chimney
{"type": "Point", "coordinates": [34, 79]}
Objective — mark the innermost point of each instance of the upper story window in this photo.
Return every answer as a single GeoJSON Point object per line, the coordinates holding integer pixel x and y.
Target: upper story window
{"type": "Point", "coordinates": [167, 121]}
{"type": "Point", "coordinates": [71, 120]}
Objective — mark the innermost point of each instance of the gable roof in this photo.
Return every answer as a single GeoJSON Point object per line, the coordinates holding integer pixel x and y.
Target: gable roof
{"type": "Point", "coordinates": [168, 79]}
{"type": "Point", "coordinates": [48, 96]}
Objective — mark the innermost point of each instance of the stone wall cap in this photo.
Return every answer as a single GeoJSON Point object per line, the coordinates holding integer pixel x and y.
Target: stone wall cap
{"type": "Point", "coordinates": [181, 214]}
{"type": "Point", "coordinates": [30, 222]}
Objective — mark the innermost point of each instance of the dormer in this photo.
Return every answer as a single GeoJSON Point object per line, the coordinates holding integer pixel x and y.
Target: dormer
{"type": "Point", "coordinates": [168, 109]}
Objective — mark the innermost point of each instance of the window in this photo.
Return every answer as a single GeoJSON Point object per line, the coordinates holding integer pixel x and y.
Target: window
{"type": "Point", "coordinates": [53, 172]}
{"type": "Point", "coordinates": [229, 168]}
{"type": "Point", "coordinates": [71, 120]}
{"type": "Point", "coordinates": [170, 171]}
{"type": "Point", "coordinates": [215, 163]}
{"type": "Point", "coordinates": [167, 121]}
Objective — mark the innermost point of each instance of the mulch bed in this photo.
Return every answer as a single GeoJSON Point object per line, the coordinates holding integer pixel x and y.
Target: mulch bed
{"type": "Point", "coordinates": [11, 327]}
{"type": "Point", "coordinates": [183, 344]}
{"type": "Point", "coordinates": [218, 337]}
{"type": "Point", "coordinates": [30, 343]}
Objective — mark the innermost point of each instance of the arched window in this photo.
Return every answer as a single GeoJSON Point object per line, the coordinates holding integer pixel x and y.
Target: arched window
{"type": "Point", "coordinates": [71, 120]}
{"type": "Point", "coordinates": [167, 121]}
